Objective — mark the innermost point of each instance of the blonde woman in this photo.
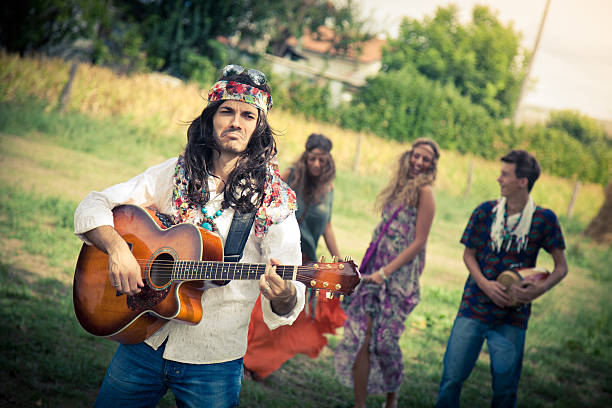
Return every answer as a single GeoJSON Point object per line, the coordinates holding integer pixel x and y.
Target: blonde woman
{"type": "Point", "coordinates": [369, 357]}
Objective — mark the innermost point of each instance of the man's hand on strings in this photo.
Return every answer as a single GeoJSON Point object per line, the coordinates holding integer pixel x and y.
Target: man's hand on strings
{"type": "Point", "coordinates": [281, 293]}
{"type": "Point", "coordinates": [124, 271]}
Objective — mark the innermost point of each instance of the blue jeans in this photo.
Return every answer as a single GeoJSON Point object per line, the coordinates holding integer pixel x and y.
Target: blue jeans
{"type": "Point", "coordinates": [139, 376]}
{"type": "Point", "coordinates": [506, 344]}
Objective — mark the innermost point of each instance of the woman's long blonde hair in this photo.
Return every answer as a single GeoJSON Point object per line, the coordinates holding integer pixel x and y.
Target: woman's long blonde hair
{"type": "Point", "coordinates": [403, 189]}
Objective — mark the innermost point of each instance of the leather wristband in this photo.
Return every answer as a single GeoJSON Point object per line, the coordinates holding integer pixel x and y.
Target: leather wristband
{"type": "Point", "coordinates": [284, 303]}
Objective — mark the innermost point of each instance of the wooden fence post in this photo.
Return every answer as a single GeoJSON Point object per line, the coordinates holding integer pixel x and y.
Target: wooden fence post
{"type": "Point", "coordinates": [570, 207]}
{"type": "Point", "coordinates": [468, 186]}
{"type": "Point", "coordinates": [357, 153]}
{"type": "Point", "coordinates": [65, 95]}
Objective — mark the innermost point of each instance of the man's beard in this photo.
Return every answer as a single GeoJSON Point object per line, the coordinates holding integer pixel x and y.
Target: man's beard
{"type": "Point", "coordinates": [228, 147]}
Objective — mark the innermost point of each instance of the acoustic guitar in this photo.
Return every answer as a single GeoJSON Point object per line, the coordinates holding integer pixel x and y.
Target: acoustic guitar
{"type": "Point", "coordinates": [174, 263]}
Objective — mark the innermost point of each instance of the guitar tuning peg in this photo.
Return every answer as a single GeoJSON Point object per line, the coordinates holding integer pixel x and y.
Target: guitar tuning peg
{"type": "Point", "coordinates": [348, 258]}
{"type": "Point", "coordinates": [317, 293]}
{"type": "Point", "coordinates": [322, 259]}
{"type": "Point", "coordinates": [335, 258]}
{"type": "Point", "coordinates": [341, 298]}
{"type": "Point", "coordinates": [329, 295]}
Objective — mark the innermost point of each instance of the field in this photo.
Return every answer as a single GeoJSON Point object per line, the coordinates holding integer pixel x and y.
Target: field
{"type": "Point", "coordinates": [115, 127]}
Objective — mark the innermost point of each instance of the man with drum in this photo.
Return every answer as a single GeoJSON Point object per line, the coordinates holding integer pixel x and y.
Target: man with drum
{"type": "Point", "coordinates": [501, 235]}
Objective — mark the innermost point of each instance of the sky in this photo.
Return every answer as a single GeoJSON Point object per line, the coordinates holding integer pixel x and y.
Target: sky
{"type": "Point", "coordinates": [572, 68]}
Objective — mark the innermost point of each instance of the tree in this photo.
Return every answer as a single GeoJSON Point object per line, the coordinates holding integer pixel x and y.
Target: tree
{"type": "Point", "coordinates": [482, 59]}
{"type": "Point", "coordinates": [167, 33]}
{"type": "Point", "coordinates": [581, 127]}
{"type": "Point", "coordinates": [600, 228]}
{"type": "Point", "coordinates": [404, 105]}
{"type": "Point", "coordinates": [175, 36]}
{"type": "Point", "coordinates": [591, 137]}
{"type": "Point", "coordinates": [117, 42]}
{"type": "Point", "coordinates": [28, 26]}
{"type": "Point", "coordinates": [176, 32]}
{"type": "Point", "coordinates": [279, 20]}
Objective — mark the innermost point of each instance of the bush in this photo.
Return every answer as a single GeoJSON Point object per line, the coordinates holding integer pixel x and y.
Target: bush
{"type": "Point", "coordinates": [298, 94]}
{"type": "Point", "coordinates": [561, 154]}
{"type": "Point", "coordinates": [199, 69]}
{"type": "Point", "coordinates": [591, 136]}
{"type": "Point", "coordinates": [584, 129]}
{"type": "Point", "coordinates": [404, 105]}
{"type": "Point", "coordinates": [558, 152]}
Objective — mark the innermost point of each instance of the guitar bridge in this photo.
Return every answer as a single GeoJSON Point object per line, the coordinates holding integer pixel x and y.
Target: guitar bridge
{"type": "Point", "coordinates": [147, 298]}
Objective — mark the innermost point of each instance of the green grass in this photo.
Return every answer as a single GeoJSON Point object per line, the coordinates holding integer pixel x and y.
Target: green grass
{"type": "Point", "coordinates": [108, 140]}
{"type": "Point", "coordinates": [47, 358]}
{"type": "Point", "coordinates": [49, 361]}
{"type": "Point", "coordinates": [51, 215]}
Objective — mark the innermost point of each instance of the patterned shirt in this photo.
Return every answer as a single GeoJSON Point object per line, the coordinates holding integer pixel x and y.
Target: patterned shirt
{"type": "Point", "coordinates": [545, 232]}
{"type": "Point", "coordinates": [222, 333]}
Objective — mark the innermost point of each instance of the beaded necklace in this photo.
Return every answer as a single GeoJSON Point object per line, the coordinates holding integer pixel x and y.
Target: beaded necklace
{"type": "Point", "coordinates": [278, 203]}
{"type": "Point", "coordinates": [508, 231]}
{"type": "Point", "coordinates": [519, 233]}
{"type": "Point", "coordinates": [208, 219]}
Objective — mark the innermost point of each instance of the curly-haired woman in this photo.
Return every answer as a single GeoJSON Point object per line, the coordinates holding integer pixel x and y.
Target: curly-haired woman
{"type": "Point", "coordinates": [369, 357]}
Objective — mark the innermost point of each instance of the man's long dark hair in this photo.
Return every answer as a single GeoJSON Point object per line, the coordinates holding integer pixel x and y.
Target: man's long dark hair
{"type": "Point", "coordinates": [245, 184]}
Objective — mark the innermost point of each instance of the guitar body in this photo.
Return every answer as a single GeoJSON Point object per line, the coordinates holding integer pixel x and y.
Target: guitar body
{"type": "Point", "coordinates": [102, 311]}
{"type": "Point", "coordinates": [174, 263]}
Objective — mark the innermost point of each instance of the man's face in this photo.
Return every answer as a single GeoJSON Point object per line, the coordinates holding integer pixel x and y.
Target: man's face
{"type": "Point", "coordinates": [508, 182]}
{"type": "Point", "coordinates": [233, 125]}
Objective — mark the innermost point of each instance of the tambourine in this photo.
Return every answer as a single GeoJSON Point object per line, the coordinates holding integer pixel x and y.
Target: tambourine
{"type": "Point", "coordinates": [513, 276]}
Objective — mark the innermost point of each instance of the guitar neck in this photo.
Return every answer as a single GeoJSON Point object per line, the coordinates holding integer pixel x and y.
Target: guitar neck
{"type": "Point", "coordinates": [213, 270]}
{"type": "Point", "coordinates": [340, 277]}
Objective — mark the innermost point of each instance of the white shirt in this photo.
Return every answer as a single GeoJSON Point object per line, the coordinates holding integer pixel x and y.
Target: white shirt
{"type": "Point", "coordinates": [221, 335]}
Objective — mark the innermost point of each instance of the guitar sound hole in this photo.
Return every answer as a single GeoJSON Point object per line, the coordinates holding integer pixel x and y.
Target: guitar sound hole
{"type": "Point", "coordinates": [161, 270]}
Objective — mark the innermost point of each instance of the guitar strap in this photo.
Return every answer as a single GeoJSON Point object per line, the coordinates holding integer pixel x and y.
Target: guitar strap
{"type": "Point", "coordinates": [237, 236]}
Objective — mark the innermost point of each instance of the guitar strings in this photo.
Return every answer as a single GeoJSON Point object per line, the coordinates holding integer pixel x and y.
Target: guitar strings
{"type": "Point", "coordinates": [168, 267]}
{"type": "Point", "coordinates": [171, 264]}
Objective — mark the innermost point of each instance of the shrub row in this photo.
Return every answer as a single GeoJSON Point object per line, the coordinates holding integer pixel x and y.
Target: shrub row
{"type": "Point", "coordinates": [400, 105]}
{"type": "Point", "coordinates": [403, 105]}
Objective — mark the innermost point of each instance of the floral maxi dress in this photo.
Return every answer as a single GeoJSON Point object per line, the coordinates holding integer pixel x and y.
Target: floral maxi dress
{"type": "Point", "coordinates": [388, 305]}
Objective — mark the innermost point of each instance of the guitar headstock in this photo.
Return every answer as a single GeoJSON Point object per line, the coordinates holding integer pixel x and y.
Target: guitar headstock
{"type": "Point", "coordinates": [337, 276]}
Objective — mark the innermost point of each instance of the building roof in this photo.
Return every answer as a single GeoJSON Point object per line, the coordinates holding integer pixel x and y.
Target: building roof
{"type": "Point", "coordinates": [321, 43]}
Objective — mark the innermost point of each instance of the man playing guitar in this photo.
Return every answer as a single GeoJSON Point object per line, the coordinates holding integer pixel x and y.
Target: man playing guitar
{"type": "Point", "coordinates": [228, 166]}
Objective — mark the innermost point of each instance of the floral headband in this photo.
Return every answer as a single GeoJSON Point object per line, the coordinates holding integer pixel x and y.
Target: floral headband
{"type": "Point", "coordinates": [236, 91]}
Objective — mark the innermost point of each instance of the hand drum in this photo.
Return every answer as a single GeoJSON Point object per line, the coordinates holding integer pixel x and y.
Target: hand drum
{"type": "Point", "coordinates": [515, 276]}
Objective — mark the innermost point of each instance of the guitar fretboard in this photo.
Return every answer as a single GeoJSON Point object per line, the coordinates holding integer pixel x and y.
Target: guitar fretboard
{"type": "Point", "coordinates": [203, 270]}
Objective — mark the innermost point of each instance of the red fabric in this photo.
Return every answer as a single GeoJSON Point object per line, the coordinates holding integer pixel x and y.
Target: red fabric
{"type": "Point", "coordinates": [268, 349]}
